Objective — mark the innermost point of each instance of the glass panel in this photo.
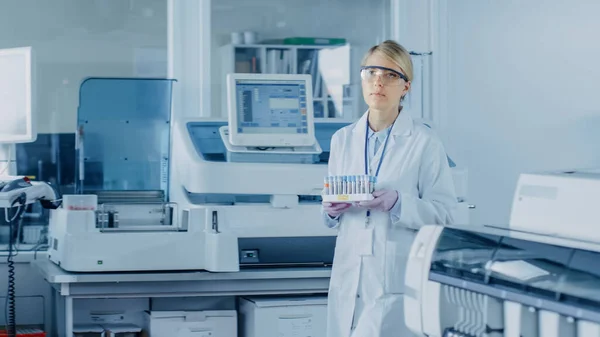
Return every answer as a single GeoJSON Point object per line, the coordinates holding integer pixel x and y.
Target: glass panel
{"type": "Point", "coordinates": [137, 216]}
{"type": "Point", "coordinates": [125, 128]}
{"type": "Point", "coordinates": [530, 266]}
{"type": "Point", "coordinates": [330, 70]}
{"type": "Point", "coordinates": [464, 254]}
{"type": "Point", "coordinates": [582, 281]}
{"type": "Point", "coordinates": [73, 40]}
{"type": "Point", "coordinates": [503, 261]}
{"type": "Point", "coordinates": [304, 37]}
{"type": "Point", "coordinates": [50, 158]}
{"type": "Point", "coordinates": [417, 100]}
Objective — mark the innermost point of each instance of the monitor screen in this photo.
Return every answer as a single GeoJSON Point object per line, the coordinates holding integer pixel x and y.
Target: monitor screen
{"type": "Point", "coordinates": [270, 110]}
{"type": "Point", "coordinates": [16, 96]}
{"type": "Point", "coordinates": [271, 106]}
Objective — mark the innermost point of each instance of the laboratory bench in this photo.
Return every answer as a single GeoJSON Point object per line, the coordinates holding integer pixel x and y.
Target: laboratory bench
{"type": "Point", "coordinates": [264, 281]}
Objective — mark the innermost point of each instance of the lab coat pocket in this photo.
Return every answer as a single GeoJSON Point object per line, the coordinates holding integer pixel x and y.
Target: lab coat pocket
{"type": "Point", "coordinates": [397, 249]}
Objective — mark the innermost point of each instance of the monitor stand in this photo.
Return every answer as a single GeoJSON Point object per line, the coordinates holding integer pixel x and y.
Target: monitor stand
{"type": "Point", "coordinates": [292, 154]}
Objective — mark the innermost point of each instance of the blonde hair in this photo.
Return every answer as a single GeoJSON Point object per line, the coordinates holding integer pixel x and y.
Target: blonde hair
{"type": "Point", "coordinates": [395, 53]}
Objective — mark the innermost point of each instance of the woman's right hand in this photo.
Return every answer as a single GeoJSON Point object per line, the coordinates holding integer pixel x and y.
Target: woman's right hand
{"type": "Point", "coordinates": [335, 209]}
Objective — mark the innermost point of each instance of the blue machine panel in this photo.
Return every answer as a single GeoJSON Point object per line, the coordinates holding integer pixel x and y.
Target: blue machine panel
{"type": "Point", "coordinates": [124, 127]}
{"type": "Point", "coordinates": [208, 143]}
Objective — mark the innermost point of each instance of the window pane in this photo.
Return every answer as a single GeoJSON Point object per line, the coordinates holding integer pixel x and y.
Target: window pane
{"type": "Point", "coordinates": [325, 39]}
{"type": "Point", "coordinates": [73, 40]}
{"type": "Point", "coordinates": [464, 254]}
{"type": "Point", "coordinates": [530, 266]}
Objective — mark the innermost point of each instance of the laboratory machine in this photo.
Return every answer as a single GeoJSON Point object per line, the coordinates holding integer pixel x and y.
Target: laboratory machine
{"type": "Point", "coordinates": [536, 277]}
{"type": "Point", "coordinates": [253, 184]}
{"type": "Point", "coordinates": [190, 194]}
{"type": "Point", "coordinates": [197, 193]}
{"type": "Point", "coordinates": [120, 217]}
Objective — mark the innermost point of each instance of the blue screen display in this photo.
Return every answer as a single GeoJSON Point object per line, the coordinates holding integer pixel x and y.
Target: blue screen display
{"type": "Point", "coordinates": [271, 107]}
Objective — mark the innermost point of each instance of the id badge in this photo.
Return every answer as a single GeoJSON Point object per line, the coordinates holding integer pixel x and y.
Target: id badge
{"type": "Point", "coordinates": [364, 243]}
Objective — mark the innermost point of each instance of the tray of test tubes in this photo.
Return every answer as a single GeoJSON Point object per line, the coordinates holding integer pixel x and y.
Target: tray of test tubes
{"type": "Point", "coordinates": [348, 188]}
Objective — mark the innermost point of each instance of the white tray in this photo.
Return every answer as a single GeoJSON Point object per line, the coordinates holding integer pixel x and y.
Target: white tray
{"type": "Point", "coordinates": [347, 197]}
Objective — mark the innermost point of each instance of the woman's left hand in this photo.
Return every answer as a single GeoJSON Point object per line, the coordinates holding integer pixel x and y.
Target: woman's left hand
{"type": "Point", "coordinates": [384, 200]}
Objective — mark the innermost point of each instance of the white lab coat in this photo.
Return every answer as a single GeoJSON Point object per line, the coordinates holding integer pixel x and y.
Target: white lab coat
{"type": "Point", "coordinates": [366, 291]}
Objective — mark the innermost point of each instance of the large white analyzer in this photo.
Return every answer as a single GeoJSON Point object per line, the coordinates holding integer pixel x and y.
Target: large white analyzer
{"type": "Point", "coordinates": [536, 277]}
{"type": "Point", "coordinates": [253, 185]}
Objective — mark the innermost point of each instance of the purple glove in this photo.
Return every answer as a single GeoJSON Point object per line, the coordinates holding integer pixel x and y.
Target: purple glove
{"type": "Point", "coordinates": [335, 209]}
{"type": "Point", "coordinates": [384, 200]}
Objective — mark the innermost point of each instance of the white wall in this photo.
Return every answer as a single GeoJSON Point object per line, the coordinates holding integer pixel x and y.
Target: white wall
{"type": "Point", "coordinates": [523, 93]}
{"type": "Point", "coordinates": [362, 23]}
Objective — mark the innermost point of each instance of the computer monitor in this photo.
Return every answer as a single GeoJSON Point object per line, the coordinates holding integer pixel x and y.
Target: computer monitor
{"type": "Point", "coordinates": [270, 110]}
{"type": "Point", "coordinates": [16, 92]}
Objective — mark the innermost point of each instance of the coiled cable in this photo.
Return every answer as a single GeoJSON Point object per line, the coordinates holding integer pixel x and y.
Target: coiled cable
{"type": "Point", "coordinates": [11, 315]}
{"type": "Point", "coordinates": [10, 297]}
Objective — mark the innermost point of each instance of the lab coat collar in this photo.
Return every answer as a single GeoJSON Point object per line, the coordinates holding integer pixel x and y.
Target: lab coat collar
{"type": "Point", "coordinates": [402, 127]}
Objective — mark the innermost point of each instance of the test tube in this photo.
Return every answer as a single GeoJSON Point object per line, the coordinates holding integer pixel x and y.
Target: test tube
{"type": "Point", "coordinates": [332, 184]}
{"type": "Point", "coordinates": [364, 184]}
{"type": "Point", "coordinates": [372, 184]}
{"type": "Point", "coordinates": [326, 185]}
{"type": "Point", "coordinates": [339, 185]}
{"type": "Point", "coordinates": [358, 185]}
{"type": "Point", "coordinates": [348, 185]}
{"type": "Point", "coordinates": [353, 184]}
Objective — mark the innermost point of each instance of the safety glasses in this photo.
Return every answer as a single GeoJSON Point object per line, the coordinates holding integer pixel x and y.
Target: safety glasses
{"type": "Point", "coordinates": [388, 76]}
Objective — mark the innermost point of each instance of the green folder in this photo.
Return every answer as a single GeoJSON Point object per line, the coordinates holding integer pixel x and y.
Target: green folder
{"type": "Point", "coordinates": [313, 41]}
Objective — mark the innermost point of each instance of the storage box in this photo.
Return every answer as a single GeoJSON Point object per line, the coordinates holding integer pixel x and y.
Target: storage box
{"type": "Point", "coordinates": [218, 323]}
{"type": "Point", "coordinates": [298, 316]}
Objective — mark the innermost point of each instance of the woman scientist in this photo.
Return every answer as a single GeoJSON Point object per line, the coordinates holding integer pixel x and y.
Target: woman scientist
{"type": "Point", "coordinates": [414, 187]}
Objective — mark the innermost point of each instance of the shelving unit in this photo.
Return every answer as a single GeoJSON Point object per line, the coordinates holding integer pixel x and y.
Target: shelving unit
{"type": "Point", "coordinates": [334, 96]}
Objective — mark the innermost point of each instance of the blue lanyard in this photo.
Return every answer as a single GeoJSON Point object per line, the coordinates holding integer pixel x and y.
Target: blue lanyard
{"type": "Point", "coordinates": [382, 154]}
{"type": "Point", "coordinates": [383, 150]}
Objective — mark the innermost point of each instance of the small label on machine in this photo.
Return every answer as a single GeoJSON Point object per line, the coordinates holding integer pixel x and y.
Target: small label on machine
{"type": "Point", "coordinates": [295, 327]}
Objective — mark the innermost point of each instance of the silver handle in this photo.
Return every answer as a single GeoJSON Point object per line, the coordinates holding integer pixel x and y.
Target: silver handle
{"type": "Point", "coordinates": [471, 206]}
{"type": "Point", "coordinates": [215, 222]}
